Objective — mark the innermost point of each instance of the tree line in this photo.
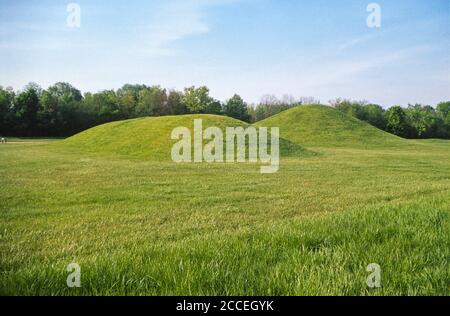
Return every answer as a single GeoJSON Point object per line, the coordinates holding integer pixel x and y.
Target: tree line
{"type": "Point", "coordinates": [62, 110]}
{"type": "Point", "coordinates": [414, 121]}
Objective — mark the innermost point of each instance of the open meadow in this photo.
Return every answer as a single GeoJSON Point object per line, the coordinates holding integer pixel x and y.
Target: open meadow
{"type": "Point", "coordinates": [110, 199]}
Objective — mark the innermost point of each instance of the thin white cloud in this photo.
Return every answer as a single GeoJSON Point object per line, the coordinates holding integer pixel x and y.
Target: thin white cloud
{"type": "Point", "coordinates": [176, 20]}
{"type": "Point", "coordinates": [43, 46]}
{"type": "Point", "coordinates": [356, 41]}
{"type": "Point", "coordinates": [167, 23]}
{"type": "Point", "coordinates": [324, 77]}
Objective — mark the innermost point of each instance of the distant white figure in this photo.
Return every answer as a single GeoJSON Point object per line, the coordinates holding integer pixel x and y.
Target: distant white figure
{"type": "Point", "coordinates": [4, 140]}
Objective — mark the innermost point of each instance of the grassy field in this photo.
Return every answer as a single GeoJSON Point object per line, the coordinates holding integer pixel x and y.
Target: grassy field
{"type": "Point", "coordinates": [138, 224]}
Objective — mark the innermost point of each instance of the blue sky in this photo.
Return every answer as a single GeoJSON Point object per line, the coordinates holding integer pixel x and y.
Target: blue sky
{"type": "Point", "coordinates": [318, 48]}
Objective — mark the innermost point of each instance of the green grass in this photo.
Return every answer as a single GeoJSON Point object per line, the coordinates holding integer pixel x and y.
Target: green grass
{"type": "Point", "coordinates": [30, 140]}
{"type": "Point", "coordinates": [142, 226]}
{"type": "Point", "coordinates": [150, 138]}
{"type": "Point", "coordinates": [318, 125]}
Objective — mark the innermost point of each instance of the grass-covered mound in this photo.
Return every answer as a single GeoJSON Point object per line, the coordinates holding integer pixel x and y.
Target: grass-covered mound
{"type": "Point", "coordinates": [150, 138]}
{"type": "Point", "coordinates": [323, 126]}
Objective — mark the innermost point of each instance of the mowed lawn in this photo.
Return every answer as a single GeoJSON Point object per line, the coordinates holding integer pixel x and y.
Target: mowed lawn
{"type": "Point", "coordinates": [137, 227]}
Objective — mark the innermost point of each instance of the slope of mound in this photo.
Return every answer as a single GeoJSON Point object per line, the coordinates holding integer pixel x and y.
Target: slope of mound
{"type": "Point", "coordinates": [323, 126]}
{"type": "Point", "coordinates": [150, 138]}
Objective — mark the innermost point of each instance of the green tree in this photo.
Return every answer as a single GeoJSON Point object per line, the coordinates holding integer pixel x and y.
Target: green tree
{"type": "Point", "coordinates": [443, 109]}
{"type": "Point", "coordinates": [131, 89]}
{"type": "Point", "coordinates": [197, 100]}
{"type": "Point", "coordinates": [236, 108]}
{"type": "Point", "coordinates": [6, 114]}
{"type": "Point", "coordinates": [26, 107]}
{"type": "Point", "coordinates": [64, 116]}
{"type": "Point", "coordinates": [374, 114]}
{"type": "Point", "coordinates": [49, 116]}
{"type": "Point", "coordinates": [152, 102]}
{"type": "Point", "coordinates": [271, 105]}
{"type": "Point", "coordinates": [175, 103]}
{"type": "Point", "coordinates": [353, 108]}
{"type": "Point", "coordinates": [65, 92]}
{"type": "Point", "coordinates": [396, 121]}
{"type": "Point", "coordinates": [423, 120]}
{"type": "Point", "coordinates": [128, 99]}
{"type": "Point", "coordinates": [214, 107]}
{"type": "Point", "coordinates": [252, 113]}
{"type": "Point", "coordinates": [108, 108]}
{"type": "Point", "coordinates": [443, 112]}
{"type": "Point", "coordinates": [127, 105]}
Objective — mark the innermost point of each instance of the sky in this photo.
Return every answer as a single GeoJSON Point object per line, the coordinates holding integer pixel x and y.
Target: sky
{"type": "Point", "coordinates": [321, 48]}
